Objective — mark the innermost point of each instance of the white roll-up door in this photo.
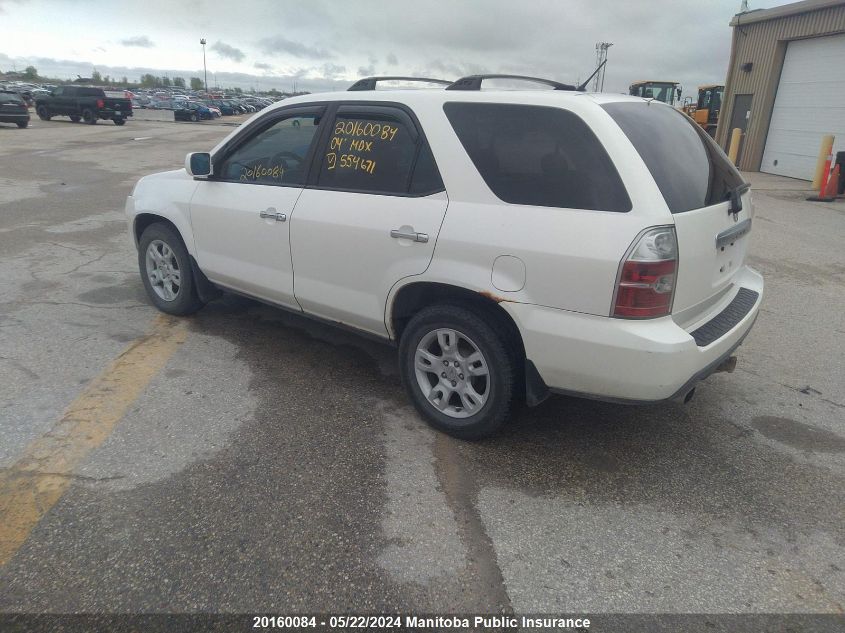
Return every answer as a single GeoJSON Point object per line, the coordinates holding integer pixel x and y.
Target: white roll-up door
{"type": "Point", "coordinates": [810, 103]}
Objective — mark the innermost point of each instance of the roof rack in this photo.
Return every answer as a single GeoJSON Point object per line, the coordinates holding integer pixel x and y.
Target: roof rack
{"type": "Point", "coordinates": [369, 83]}
{"type": "Point", "coordinates": [473, 82]}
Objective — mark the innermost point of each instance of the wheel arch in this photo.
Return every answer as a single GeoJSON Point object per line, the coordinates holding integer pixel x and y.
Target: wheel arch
{"type": "Point", "coordinates": [205, 289]}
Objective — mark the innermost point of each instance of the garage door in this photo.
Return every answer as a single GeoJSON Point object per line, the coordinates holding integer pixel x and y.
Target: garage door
{"type": "Point", "coordinates": [810, 103]}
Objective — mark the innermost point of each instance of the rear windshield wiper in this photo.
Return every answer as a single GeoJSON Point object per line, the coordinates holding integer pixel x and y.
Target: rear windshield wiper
{"type": "Point", "coordinates": [736, 197]}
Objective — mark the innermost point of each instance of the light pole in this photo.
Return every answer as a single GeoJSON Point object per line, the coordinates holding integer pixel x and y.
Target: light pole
{"type": "Point", "coordinates": [204, 69]}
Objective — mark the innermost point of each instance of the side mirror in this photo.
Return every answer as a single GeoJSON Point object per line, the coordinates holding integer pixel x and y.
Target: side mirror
{"type": "Point", "coordinates": [679, 93]}
{"type": "Point", "coordinates": [198, 164]}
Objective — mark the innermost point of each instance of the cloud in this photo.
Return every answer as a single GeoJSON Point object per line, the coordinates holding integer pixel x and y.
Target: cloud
{"type": "Point", "coordinates": [391, 59]}
{"type": "Point", "coordinates": [332, 71]}
{"type": "Point", "coordinates": [262, 66]}
{"type": "Point", "coordinates": [141, 41]}
{"type": "Point", "coordinates": [278, 44]}
{"type": "Point", "coordinates": [229, 52]}
{"type": "Point", "coordinates": [367, 71]}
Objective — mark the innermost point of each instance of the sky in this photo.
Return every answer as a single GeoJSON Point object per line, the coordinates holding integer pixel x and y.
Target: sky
{"type": "Point", "coordinates": [324, 45]}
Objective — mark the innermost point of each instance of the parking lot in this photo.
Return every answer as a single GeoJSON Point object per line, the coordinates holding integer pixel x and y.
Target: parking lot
{"type": "Point", "coordinates": [251, 460]}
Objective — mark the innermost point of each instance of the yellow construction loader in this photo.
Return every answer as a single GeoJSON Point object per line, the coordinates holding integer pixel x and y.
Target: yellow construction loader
{"type": "Point", "coordinates": [706, 110]}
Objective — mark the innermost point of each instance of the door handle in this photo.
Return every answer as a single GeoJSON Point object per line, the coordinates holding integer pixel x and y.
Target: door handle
{"type": "Point", "coordinates": [270, 214]}
{"type": "Point", "coordinates": [405, 234]}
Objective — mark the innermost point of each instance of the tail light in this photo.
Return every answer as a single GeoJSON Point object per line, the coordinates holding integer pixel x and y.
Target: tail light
{"type": "Point", "coordinates": [646, 280]}
{"type": "Point", "coordinates": [101, 104]}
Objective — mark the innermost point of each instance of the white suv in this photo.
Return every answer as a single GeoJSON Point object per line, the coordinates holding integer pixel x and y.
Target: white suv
{"type": "Point", "coordinates": [512, 243]}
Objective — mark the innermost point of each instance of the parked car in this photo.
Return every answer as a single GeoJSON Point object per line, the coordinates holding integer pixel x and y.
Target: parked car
{"type": "Point", "coordinates": [191, 111]}
{"type": "Point", "coordinates": [222, 105]}
{"type": "Point", "coordinates": [85, 103]}
{"type": "Point", "coordinates": [13, 109]}
{"type": "Point", "coordinates": [594, 245]}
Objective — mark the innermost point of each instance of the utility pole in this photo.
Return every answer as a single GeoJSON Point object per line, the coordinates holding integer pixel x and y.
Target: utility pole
{"type": "Point", "coordinates": [204, 69]}
{"type": "Point", "coordinates": [601, 56]}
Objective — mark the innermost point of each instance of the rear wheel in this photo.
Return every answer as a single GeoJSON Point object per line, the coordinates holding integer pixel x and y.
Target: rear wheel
{"type": "Point", "coordinates": [89, 117]}
{"type": "Point", "coordinates": [23, 124]}
{"type": "Point", "coordinates": [119, 121]}
{"type": "Point", "coordinates": [43, 113]}
{"type": "Point", "coordinates": [457, 371]}
{"type": "Point", "coordinates": [165, 268]}
{"type": "Point", "coordinates": [75, 118]}
{"type": "Point", "coordinates": [195, 117]}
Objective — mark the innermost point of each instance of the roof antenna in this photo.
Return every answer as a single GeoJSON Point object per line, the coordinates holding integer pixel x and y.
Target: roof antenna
{"type": "Point", "coordinates": [744, 7]}
{"type": "Point", "coordinates": [583, 86]}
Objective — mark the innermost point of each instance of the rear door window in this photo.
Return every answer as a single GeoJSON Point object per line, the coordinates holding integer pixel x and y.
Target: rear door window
{"type": "Point", "coordinates": [690, 170]}
{"type": "Point", "coordinates": [538, 155]}
{"type": "Point", "coordinates": [373, 149]}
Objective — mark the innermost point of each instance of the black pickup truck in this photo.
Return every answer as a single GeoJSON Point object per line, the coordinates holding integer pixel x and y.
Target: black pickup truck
{"type": "Point", "coordinates": [84, 103]}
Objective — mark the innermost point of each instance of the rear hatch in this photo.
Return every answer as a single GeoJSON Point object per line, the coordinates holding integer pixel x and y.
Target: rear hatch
{"type": "Point", "coordinates": [708, 198]}
{"type": "Point", "coordinates": [12, 103]}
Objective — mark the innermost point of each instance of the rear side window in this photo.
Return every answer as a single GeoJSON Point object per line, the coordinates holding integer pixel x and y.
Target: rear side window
{"type": "Point", "coordinates": [538, 155]}
{"type": "Point", "coordinates": [690, 170]}
{"type": "Point", "coordinates": [89, 92]}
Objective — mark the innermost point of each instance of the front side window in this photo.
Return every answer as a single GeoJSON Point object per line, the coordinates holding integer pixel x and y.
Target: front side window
{"type": "Point", "coordinates": [275, 156]}
{"type": "Point", "coordinates": [538, 155]}
{"type": "Point", "coordinates": [369, 153]}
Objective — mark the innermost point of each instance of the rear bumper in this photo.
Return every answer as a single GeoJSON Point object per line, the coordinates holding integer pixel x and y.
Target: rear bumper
{"type": "Point", "coordinates": [14, 117]}
{"type": "Point", "coordinates": [626, 361]}
{"type": "Point", "coordinates": [111, 114]}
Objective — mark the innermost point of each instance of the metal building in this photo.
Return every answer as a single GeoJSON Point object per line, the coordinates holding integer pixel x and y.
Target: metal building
{"type": "Point", "coordinates": [785, 87]}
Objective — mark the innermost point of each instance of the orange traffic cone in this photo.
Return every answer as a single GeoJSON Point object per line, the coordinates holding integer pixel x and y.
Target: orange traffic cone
{"type": "Point", "coordinates": [832, 189]}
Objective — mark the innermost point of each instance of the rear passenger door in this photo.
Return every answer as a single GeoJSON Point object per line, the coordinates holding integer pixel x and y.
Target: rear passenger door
{"type": "Point", "coordinates": [369, 216]}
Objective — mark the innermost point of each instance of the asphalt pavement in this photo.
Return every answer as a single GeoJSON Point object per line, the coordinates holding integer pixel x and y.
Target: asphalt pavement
{"type": "Point", "coordinates": [250, 460]}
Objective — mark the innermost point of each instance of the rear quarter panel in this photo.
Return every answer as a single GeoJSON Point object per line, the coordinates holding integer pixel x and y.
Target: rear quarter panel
{"type": "Point", "coordinates": [571, 256]}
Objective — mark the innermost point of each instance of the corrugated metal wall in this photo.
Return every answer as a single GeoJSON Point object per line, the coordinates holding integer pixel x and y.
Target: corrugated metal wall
{"type": "Point", "coordinates": [764, 45]}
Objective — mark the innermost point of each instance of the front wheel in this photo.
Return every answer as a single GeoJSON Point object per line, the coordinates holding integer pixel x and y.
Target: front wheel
{"type": "Point", "coordinates": [195, 117]}
{"type": "Point", "coordinates": [23, 124]}
{"type": "Point", "coordinates": [457, 371]}
{"type": "Point", "coordinates": [119, 121]}
{"type": "Point", "coordinates": [43, 113]}
{"type": "Point", "coordinates": [165, 268]}
{"type": "Point", "coordinates": [75, 118]}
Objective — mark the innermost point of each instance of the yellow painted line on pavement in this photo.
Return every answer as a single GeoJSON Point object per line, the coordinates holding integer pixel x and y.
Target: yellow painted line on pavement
{"type": "Point", "coordinates": [33, 484]}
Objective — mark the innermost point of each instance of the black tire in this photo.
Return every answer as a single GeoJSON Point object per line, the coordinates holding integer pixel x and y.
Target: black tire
{"type": "Point", "coordinates": [75, 118]}
{"type": "Point", "coordinates": [43, 113]}
{"type": "Point", "coordinates": [119, 121]}
{"type": "Point", "coordinates": [23, 124]}
{"type": "Point", "coordinates": [89, 117]}
{"type": "Point", "coordinates": [186, 300]}
{"type": "Point", "coordinates": [500, 364]}
{"type": "Point", "coordinates": [195, 117]}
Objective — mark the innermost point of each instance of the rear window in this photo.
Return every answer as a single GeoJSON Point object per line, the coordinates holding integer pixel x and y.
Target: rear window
{"type": "Point", "coordinates": [538, 156]}
{"type": "Point", "coordinates": [690, 170]}
{"type": "Point", "coordinates": [10, 97]}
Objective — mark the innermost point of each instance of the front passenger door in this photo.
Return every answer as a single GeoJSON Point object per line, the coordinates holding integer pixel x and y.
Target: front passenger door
{"type": "Point", "coordinates": [241, 215]}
